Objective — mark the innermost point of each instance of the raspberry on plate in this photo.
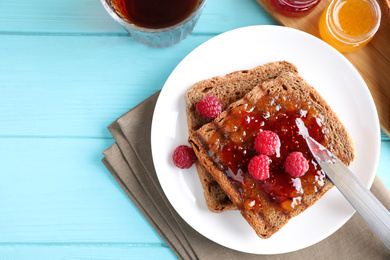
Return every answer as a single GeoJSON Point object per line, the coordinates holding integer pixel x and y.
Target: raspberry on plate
{"type": "Point", "coordinates": [258, 167]}
{"type": "Point", "coordinates": [183, 157]}
{"type": "Point", "coordinates": [209, 107]}
{"type": "Point", "coordinates": [267, 142]}
{"type": "Point", "coordinates": [296, 164]}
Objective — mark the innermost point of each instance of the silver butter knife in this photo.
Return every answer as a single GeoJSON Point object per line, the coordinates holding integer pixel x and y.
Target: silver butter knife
{"type": "Point", "coordinates": [364, 202]}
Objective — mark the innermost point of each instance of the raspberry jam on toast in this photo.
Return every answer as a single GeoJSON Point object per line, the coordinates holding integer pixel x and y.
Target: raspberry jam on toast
{"type": "Point", "coordinates": [226, 145]}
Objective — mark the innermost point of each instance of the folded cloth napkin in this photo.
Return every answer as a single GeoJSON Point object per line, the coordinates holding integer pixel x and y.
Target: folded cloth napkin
{"type": "Point", "coordinates": [129, 160]}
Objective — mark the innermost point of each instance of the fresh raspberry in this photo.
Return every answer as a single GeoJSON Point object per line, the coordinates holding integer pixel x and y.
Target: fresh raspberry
{"type": "Point", "coordinates": [258, 167]}
{"type": "Point", "coordinates": [183, 157]}
{"type": "Point", "coordinates": [296, 164]}
{"type": "Point", "coordinates": [267, 142]}
{"type": "Point", "coordinates": [209, 107]}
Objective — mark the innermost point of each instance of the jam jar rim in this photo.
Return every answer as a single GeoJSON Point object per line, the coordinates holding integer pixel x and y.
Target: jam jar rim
{"type": "Point", "coordinates": [302, 4]}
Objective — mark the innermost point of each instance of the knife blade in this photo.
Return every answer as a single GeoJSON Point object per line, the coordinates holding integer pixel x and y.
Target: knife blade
{"type": "Point", "coordinates": [364, 202]}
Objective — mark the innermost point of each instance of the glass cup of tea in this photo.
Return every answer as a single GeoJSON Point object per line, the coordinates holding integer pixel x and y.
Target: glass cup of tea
{"type": "Point", "coordinates": [157, 23]}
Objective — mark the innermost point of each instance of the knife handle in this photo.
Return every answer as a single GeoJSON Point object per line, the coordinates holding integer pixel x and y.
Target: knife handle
{"type": "Point", "coordinates": [364, 202]}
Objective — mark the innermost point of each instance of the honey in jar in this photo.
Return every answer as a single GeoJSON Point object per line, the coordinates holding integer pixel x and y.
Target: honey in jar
{"type": "Point", "coordinates": [348, 25]}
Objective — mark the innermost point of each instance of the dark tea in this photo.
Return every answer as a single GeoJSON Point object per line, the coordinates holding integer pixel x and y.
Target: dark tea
{"type": "Point", "coordinates": [155, 14]}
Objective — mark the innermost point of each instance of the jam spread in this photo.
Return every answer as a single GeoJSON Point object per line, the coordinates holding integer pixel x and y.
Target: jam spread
{"type": "Point", "coordinates": [232, 147]}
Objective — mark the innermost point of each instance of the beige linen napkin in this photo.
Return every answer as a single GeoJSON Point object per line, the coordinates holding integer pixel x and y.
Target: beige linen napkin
{"type": "Point", "coordinates": [129, 160]}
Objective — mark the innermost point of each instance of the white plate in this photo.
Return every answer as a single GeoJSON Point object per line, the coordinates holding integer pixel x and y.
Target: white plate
{"type": "Point", "coordinates": [325, 69]}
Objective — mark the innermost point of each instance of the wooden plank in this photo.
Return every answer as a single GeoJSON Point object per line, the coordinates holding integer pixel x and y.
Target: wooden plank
{"type": "Point", "coordinates": [56, 190]}
{"type": "Point", "coordinates": [76, 86]}
{"type": "Point", "coordinates": [89, 17]}
{"type": "Point", "coordinates": [72, 87]}
{"type": "Point", "coordinates": [43, 16]}
{"type": "Point", "coordinates": [372, 61]}
{"type": "Point", "coordinates": [384, 162]}
{"type": "Point", "coordinates": [85, 251]}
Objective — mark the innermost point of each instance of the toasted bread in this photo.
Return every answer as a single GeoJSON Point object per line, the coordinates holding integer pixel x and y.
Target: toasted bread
{"type": "Point", "coordinates": [226, 145]}
{"type": "Point", "coordinates": [227, 89]}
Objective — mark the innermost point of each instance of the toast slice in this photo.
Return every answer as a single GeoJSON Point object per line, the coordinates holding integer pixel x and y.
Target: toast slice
{"type": "Point", "coordinates": [226, 145]}
{"type": "Point", "coordinates": [227, 89]}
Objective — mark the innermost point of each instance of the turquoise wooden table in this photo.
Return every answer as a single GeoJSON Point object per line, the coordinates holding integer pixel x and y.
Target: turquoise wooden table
{"type": "Point", "coordinates": [67, 70]}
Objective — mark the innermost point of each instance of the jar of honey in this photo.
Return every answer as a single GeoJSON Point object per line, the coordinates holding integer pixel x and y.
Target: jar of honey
{"type": "Point", "coordinates": [348, 25]}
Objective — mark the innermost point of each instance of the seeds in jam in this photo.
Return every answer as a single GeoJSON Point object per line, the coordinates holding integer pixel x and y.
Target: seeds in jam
{"type": "Point", "coordinates": [232, 147]}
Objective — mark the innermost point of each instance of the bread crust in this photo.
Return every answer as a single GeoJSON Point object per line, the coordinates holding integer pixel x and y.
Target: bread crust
{"type": "Point", "coordinates": [339, 142]}
{"type": "Point", "coordinates": [227, 89]}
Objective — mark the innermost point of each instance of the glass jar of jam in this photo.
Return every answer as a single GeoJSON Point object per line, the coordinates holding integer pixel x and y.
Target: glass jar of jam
{"type": "Point", "coordinates": [294, 8]}
{"type": "Point", "coordinates": [348, 25]}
